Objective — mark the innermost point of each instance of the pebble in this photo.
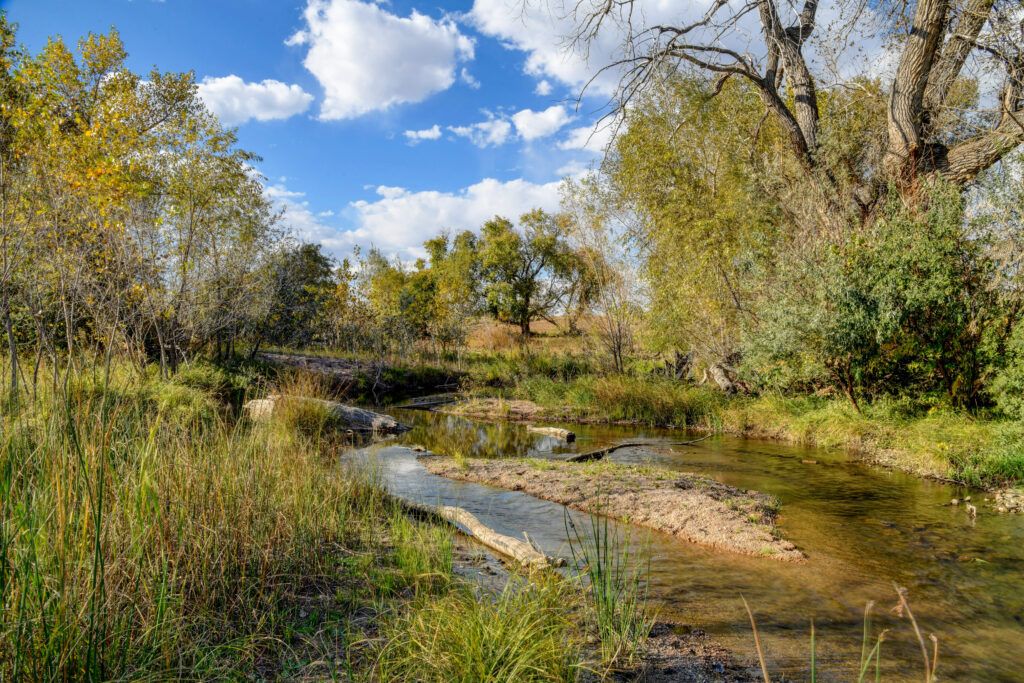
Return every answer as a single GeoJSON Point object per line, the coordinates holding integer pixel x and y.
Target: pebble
{"type": "Point", "coordinates": [1010, 500]}
{"type": "Point", "coordinates": [954, 502]}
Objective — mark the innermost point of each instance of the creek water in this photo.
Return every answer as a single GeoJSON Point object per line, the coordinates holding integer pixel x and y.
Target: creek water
{"type": "Point", "coordinates": [863, 528]}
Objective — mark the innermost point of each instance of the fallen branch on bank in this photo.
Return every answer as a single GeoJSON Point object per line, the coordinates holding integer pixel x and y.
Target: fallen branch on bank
{"type": "Point", "coordinates": [525, 552]}
{"type": "Point", "coordinates": [602, 452]}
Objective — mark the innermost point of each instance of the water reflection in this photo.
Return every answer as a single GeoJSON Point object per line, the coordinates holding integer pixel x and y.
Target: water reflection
{"type": "Point", "coordinates": [862, 527]}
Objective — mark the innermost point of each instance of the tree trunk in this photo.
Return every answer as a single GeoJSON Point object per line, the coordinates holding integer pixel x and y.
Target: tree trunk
{"type": "Point", "coordinates": [721, 378]}
{"type": "Point", "coordinates": [12, 347]}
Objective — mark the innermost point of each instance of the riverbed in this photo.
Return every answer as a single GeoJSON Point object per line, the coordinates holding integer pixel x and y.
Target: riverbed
{"type": "Point", "coordinates": [863, 529]}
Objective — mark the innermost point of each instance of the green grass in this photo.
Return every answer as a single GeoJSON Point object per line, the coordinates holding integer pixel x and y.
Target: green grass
{"type": "Point", "coordinates": [145, 533]}
{"type": "Point", "coordinates": [525, 634]}
{"type": "Point", "coordinates": [616, 585]}
{"type": "Point", "coordinates": [937, 442]}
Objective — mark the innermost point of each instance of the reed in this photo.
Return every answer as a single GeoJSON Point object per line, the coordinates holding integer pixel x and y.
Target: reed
{"type": "Point", "coordinates": [615, 583]}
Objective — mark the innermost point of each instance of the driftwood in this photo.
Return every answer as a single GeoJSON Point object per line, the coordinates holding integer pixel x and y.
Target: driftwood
{"type": "Point", "coordinates": [347, 417]}
{"type": "Point", "coordinates": [563, 434]}
{"type": "Point", "coordinates": [601, 452]}
{"type": "Point", "coordinates": [525, 552]}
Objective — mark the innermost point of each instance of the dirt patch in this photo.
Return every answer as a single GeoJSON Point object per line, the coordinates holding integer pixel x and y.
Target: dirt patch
{"type": "Point", "coordinates": [496, 409]}
{"type": "Point", "coordinates": [682, 654]}
{"type": "Point", "coordinates": [687, 506]}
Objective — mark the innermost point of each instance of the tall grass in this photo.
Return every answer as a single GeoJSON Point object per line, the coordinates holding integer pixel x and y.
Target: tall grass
{"type": "Point", "coordinates": [615, 582]}
{"type": "Point", "coordinates": [142, 535]}
{"type": "Point", "coordinates": [525, 634]}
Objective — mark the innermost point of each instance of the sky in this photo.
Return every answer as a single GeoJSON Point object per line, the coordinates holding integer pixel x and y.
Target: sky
{"type": "Point", "coordinates": [377, 123]}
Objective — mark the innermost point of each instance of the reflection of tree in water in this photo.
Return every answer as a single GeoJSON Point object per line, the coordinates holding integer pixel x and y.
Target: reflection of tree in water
{"type": "Point", "coordinates": [459, 437]}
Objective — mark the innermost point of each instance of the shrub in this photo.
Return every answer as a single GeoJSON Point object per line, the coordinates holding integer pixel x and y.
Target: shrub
{"type": "Point", "coordinates": [1008, 386]}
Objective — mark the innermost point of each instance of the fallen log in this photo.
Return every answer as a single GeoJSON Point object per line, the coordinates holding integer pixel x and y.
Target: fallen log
{"type": "Point", "coordinates": [346, 417]}
{"type": "Point", "coordinates": [523, 552]}
{"type": "Point", "coordinates": [601, 452]}
{"type": "Point", "coordinates": [556, 432]}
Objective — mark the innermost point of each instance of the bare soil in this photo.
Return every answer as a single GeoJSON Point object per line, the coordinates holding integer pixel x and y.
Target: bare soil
{"type": "Point", "coordinates": [690, 507]}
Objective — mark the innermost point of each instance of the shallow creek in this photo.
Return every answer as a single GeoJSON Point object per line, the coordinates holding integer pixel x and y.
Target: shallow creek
{"type": "Point", "coordinates": [863, 528]}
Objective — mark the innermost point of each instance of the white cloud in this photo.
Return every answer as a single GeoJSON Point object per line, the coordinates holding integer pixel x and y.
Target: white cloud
{"type": "Point", "coordinates": [303, 224]}
{"type": "Point", "coordinates": [538, 124]}
{"type": "Point", "coordinates": [469, 79]}
{"type": "Point", "coordinates": [529, 125]}
{"type": "Point", "coordinates": [400, 221]}
{"type": "Point", "coordinates": [489, 133]}
{"type": "Point", "coordinates": [544, 88]}
{"type": "Point", "coordinates": [588, 138]}
{"type": "Point", "coordinates": [543, 31]}
{"type": "Point", "coordinates": [432, 133]}
{"type": "Point", "coordinates": [368, 59]}
{"type": "Point", "coordinates": [540, 30]}
{"type": "Point", "coordinates": [575, 169]}
{"type": "Point", "coordinates": [234, 101]}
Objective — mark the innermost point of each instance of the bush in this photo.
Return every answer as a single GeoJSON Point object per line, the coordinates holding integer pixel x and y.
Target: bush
{"type": "Point", "coordinates": [902, 309]}
{"type": "Point", "coordinates": [1008, 386]}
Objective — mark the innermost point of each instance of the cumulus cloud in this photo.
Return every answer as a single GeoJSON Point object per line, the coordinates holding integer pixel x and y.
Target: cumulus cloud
{"type": "Point", "coordinates": [542, 31]}
{"type": "Point", "coordinates": [234, 101]}
{"type": "Point", "coordinates": [588, 138]}
{"type": "Point", "coordinates": [528, 124]}
{"type": "Point", "coordinates": [399, 221]}
{"type": "Point", "coordinates": [490, 133]}
{"type": "Point", "coordinates": [544, 88]}
{"type": "Point", "coordinates": [304, 224]}
{"type": "Point", "coordinates": [368, 59]}
{"type": "Point", "coordinates": [539, 124]}
{"type": "Point", "coordinates": [432, 133]}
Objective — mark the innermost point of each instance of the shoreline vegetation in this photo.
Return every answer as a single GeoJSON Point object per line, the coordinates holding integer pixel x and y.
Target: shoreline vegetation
{"type": "Point", "coordinates": [536, 384]}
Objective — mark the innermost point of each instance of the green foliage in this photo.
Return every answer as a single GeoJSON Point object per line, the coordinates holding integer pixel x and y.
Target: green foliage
{"type": "Point", "coordinates": [303, 287]}
{"type": "Point", "coordinates": [688, 167]}
{"type": "Point", "coordinates": [526, 273]}
{"type": "Point", "coordinates": [903, 308]}
{"type": "Point", "coordinates": [1008, 385]}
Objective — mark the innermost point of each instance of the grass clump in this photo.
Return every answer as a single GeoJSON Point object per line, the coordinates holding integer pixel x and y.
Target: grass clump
{"type": "Point", "coordinates": [422, 552]}
{"type": "Point", "coordinates": [524, 634]}
{"type": "Point", "coordinates": [617, 590]}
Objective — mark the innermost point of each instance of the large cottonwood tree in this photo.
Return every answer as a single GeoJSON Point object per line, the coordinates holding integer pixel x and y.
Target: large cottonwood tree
{"type": "Point", "coordinates": [930, 129]}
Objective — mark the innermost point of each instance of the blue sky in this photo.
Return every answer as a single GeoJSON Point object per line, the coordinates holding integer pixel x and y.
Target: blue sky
{"type": "Point", "coordinates": [377, 123]}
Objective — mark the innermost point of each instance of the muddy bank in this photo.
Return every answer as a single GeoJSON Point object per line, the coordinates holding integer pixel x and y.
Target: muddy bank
{"type": "Point", "coordinates": [689, 507]}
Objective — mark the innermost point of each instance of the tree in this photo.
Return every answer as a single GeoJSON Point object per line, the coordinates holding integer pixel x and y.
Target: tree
{"type": "Point", "coordinates": [526, 274]}
{"type": "Point", "coordinates": [686, 184]}
{"type": "Point", "coordinates": [929, 130]}
{"type": "Point", "coordinates": [598, 235]}
{"type": "Point", "coordinates": [303, 285]}
{"type": "Point", "coordinates": [455, 265]}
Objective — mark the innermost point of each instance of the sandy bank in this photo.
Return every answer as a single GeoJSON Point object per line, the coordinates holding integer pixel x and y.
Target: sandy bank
{"type": "Point", "coordinates": [689, 507]}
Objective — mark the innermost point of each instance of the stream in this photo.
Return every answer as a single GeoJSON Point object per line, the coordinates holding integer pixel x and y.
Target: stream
{"type": "Point", "coordinates": [863, 528]}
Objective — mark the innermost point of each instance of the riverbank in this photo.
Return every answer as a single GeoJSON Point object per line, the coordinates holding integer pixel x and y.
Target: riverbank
{"type": "Point", "coordinates": [691, 508]}
{"type": "Point", "coordinates": [150, 532]}
{"type": "Point", "coordinates": [940, 443]}
{"type": "Point", "coordinates": [926, 440]}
